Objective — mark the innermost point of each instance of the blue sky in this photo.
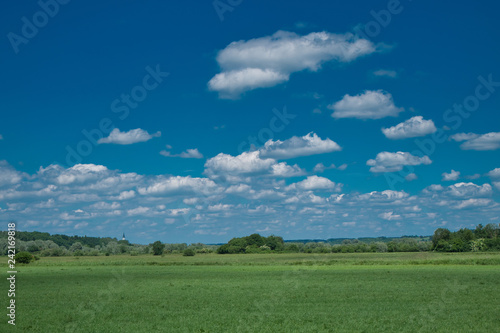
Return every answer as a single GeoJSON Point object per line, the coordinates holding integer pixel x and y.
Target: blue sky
{"type": "Point", "coordinates": [199, 122]}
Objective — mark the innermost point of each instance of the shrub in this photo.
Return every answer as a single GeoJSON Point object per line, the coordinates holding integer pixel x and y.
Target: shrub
{"type": "Point", "coordinates": [188, 253]}
{"type": "Point", "coordinates": [24, 257]}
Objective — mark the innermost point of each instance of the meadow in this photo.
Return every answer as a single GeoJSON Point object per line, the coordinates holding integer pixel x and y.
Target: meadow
{"type": "Point", "coordinates": [354, 292]}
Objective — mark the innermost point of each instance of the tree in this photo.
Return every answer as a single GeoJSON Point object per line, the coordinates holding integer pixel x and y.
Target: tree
{"type": "Point", "coordinates": [158, 248]}
{"type": "Point", "coordinates": [441, 234]}
{"type": "Point", "coordinates": [255, 239]}
{"type": "Point", "coordinates": [276, 243]}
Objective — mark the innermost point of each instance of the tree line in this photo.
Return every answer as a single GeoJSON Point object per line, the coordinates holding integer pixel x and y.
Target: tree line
{"type": "Point", "coordinates": [482, 238]}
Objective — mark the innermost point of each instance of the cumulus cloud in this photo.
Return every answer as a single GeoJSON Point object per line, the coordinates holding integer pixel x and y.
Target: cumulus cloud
{"type": "Point", "coordinates": [189, 153]}
{"type": "Point", "coordinates": [248, 164]}
{"type": "Point", "coordinates": [56, 198]}
{"type": "Point", "coordinates": [411, 177]}
{"type": "Point", "coordinates": [473, 203]}
{"type": "Point", "coordinates": [411, 128]}
{"type": "Point", "coordinates": [453, 175]}
{"type": "Point", "coordinates": [81, 173]}
{"type": "Point", "coordinates": [320, 167]}
{"type": "Point", "coordinates": [179, 184]}
{"type": "Point", "coordinates": [284, 170]}
{"type": "Point", "coordinates": [461, 190]}
{"type": "Point", "coordinates": [367, 105]}
{"type": "Point", "coordinates": [389, 216]}
{"type": "Point", "coordinates": [268, 61]}
{"type": "Point", "coordinates": [472, 141]}
{"type": "Point", "coordinates": [125, 195]}
{"type": "Point", "coordinates": [310, 144]}
{"type": "Point", "coordinates": [231, 84]}
{"type": "Point", "coordinates": [312, 183]}
{"type": "Point", "coordinates": [245, 163]}
{"type": "Point", "coordinates": [128, 138]}
{"type": "Point", "coordinates": [9, 175]}
{"type": "Point", "coordinates": [385, 73]}
{"type": "Point", "coordinates": [390, 162]}
{"type": "Point", "coordinates": [497, 185]}
{"type": "Point", "coordinates": [495, 173]}
{"type": "Point", "coordinates": [384, 196]}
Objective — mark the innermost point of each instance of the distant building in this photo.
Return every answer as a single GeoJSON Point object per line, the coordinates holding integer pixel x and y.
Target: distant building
{"type": "Point", "coordinates": [123, 238]}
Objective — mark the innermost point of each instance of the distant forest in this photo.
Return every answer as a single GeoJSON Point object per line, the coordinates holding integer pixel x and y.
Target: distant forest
{"type": "Point", "coordinates": [482, 238]}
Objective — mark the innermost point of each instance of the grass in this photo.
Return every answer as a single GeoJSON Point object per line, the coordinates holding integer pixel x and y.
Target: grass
{"type": "Point", "coordinates": [365, 292]}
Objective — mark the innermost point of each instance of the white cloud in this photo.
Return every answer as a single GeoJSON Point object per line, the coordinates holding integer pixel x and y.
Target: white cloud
{"type": "Point", "coordinates": [488, 141]}
{"type": "Point", "coordinates": [473, 203]}
{"type": "Point", "coordinates": [463, 136]}
{"type": "Point", "coordinates": [189, 153]}
{"type": "Point", "coordinates": [411, 128]}
{"type": "Point", "coordinates": [390, 162]}
{"type": "Point", "coordinates": [348, 224]}
{"type": "Point", "coordinates": [310, 144]}
{"type": "Point", "coordinates": [469, 190]}
{"type": "Point", "coordinates": [411, 177]}
{"type": "Point", "coordinates": [433, 189]}
{"type": "Point", "coordinates": [81, 225]}
{"type": "Point", "coordinates": [126, 195]}
{"type": "Point", "coordinates": [103, 205]}
{"type": "Point", "coordinates": [497, 185]}
{"type": "Point", "coordinates": [80, 173]}
{"type": "Point", "coordinates": [138, 211]}
{"type": "Point", "coordinates": [268, 61]}
{"type": "Point", "coordinates": [320, 167]}
{"type": "Point", "coordinates": [495, 173]}
{"type": "Point", "coordinates": [342, 167]}
{"type": "Point", "coordinates": [9, 175]}
{"type": "Point", "coordinates": [315, 183]}
{"type": "Point", "coordinates": [240, 188]}
{"type": "Point", "coordinates": [368, 105]}
{"type": "Point", "coordinates": [384, 196]}
{"type": "Point", "coordinates": [219, 207]}
{"type": "Point", "coordinates": [78, 197]}
{"type": "Point", "coordinates": [231, 84]}
{"type": "Point", "coordinates": [284, 170]}
{"type": "Point", "coordinates": [245, 163]}
{"type": "Point", "coordinates": [453, 175]}
{"type": "Point", "coordinates": [389, 216]}
{"type": "Point", "coordinates": [232, 168]}
{"type": "Point", "coordinates": [178, 184]}
{"type": "Point", "coordinates": [127, 138]}
{"type": "Point", "coordinates": [386, 73]}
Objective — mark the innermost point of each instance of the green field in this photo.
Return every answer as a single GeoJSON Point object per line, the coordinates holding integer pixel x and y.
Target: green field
{"type": "Point", "coordinates": [365, 292]}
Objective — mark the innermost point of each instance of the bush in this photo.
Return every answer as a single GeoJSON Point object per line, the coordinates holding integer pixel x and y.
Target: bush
{"type": "Point", "coordinates": [24, 257]}
{"type": "Point", "coordinates": [188, 253]}
{"type": "Point", "coordinates": [158, 248]}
